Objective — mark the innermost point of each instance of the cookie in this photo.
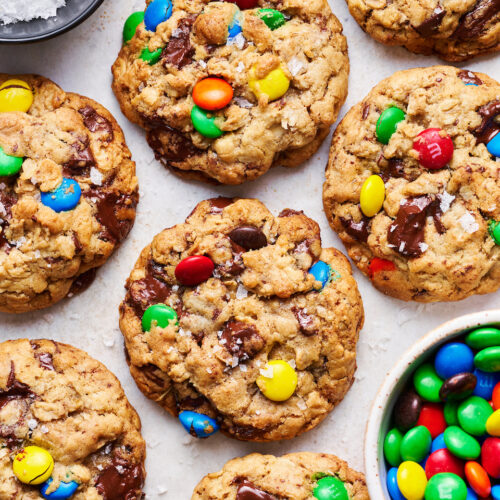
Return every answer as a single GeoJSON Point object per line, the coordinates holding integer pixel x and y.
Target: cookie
{"type": "Point", "coordinates": [455, 30]}
{"type": "Point", "coordinates": [301, 476]}
{"type": "Point", "coordinates": [227, 90]}
{"type": "Point", "coordinates": [413, 184]}
{"type": "Point", "coordinates": [68, 191]}
{"type": "Point", "coordinates": [225, 327]}
{"type": "Point", "coordinates": [62, 407]}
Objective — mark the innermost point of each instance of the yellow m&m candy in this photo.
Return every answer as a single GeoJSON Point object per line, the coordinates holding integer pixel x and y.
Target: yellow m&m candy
{"type": "Point", "coordinates": [372, 195]}
{"type": "Point", "coordinates": [273, 85]}
{"type": "Point", "coordinates": [412, 480]}
{"type": "Point", "coordinates": [15, 95]}
{"type": "Point", "coordinates": [33, 465]}
{"type": "Point", "coordinates": [277, 381]}
{"type": "Point", "coordinates": [493, 424]}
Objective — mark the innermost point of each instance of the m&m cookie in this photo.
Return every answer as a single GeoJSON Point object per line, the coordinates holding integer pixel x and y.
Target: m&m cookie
{"type": "Point", "coordinates": [237, 320]}
{"type": "Point", "coordinates": [412, 184]}
{"type": "Point", "coordinates": [68, 191]}
{"type": "Point", "coordinates": [227, 89]}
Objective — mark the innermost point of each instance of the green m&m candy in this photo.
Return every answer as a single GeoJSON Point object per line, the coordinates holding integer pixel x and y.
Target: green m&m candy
{"type": "Point", "coordinates": [151, 57]}
{"type": "Point", "coordinates": [427, 382]}
{"type": "Point", "coordinates": [392, 447]}
{"type": "Point", "coordinates": [158, 314]}
{"type": "Point", "coordinates": [446, 486]}
{"type": "Point", "coordinates": [472, 415]}
{"type": "Point", "coordinates": [416, 444]}
{"type": "Point", "coordinates": [272, 17]}
{"type": "Point", "coordinates": [488, 336]}
{"type": "Point", "coordinates": [388, 122]}
{"type": "Point", "coordinates": [205, 124]}
{"type": "Point", "coordinates": [131, 24]}
{"type": "Point", "coordinates": [9, 165]}
{"type": "Point", "coordinates": [488, 360]}
{"type": "Point", "coordinates": [494, 229]}
{"type": "Point", "coordinates": [450, 412]}
{"type": "Point", "coordinates": [330, 488]}
{"type": "Point", "coordinates": [461, 444]}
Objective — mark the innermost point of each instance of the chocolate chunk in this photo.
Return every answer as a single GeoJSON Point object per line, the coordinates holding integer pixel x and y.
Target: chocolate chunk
{"type": "Point", "coordinates": [430, 26]}
{"type": "Point", "coordinates": [248, 237]}
{"type": "Point", "coordinates": [489, 128]}
{"type": "Point", "coordinates": [357, 230]}
{"type": "Point", "coordinates": [96, 122]}
{"type": "Point", "coordinates": [83, 281]}
{"type": "Point", "coordinates": [108, 204]}
{"type": "Point", "coordinates": [7, 201]}
{"type": "Point", "coordinates": [14, 389]}
{"type": "Point", "coordinates": [306, 321]}
{"type": "Point", "coordinates": [407, 410]}
{"type": "Point", "coordinates": [366, 111]}
{"type": "Point", "coordinates": [234, 266]}
{"type": "Point", "coordinates": [169, 145]}
{"type": "Point", "coordinates": [458, 386]}
{"type": "Point", "coordinates": [241, 339]}
{"type": "Point", "coordinates": [393, 167]}
{"type": "Point", "coordinates": [153, 373]}
{"type": "Point", "coordinates": [81, 161]}
{"type": "Point", "coordinates": [248, 491]}
{"type": "Point", "coordinates": [469, 77]}
{"type": "Point", "coordinates": [146, 292]}
{"type": "Point", "coordinates": [45, 360]}
{"type": "Point", "coordinates": [472, 24]}
{"type": "Point", "coordinates": [288, 212]}
{"type": "Point", "coordinates": [120, 481]}
{"type": "Point", "coordinates": [191, 403]}
{"type": "Point", "coordinates": [407, 232]}
{"type": "Point", "coordinates": [217, 205]}
{"type": "Point", "coordinates": [178, 50]}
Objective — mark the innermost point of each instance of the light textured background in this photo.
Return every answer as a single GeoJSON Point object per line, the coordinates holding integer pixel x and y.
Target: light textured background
{"type": "Point", "coordinates": [80, 61]}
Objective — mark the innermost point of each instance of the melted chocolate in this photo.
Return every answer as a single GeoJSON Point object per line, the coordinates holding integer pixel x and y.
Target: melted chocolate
{"type": "Point", "coordinates": [248, 237]}
{"type": "Point", "coordinates": [473, 23]}
{"type": "Point", "coordinates": [217, 205]}
{"type": "Point", "coordinates": [14, 389]}
{"type": "Point", "coordinates": [366, 111]}
{"type": "Point", "coordinates": [394, 167]}
{"type": "Point", "coordinates": [83, 281]}
{"type": "Point", "coordinates": [45, 360]}
{"type": "Point", "coordinates": [169, 145]}
{"type": "Point", "coordinates": [357, 230]}
{"type": "Point", "coordinates": [191, 403]}
{"type": "Point", "coordinates": [241, 339]}
{"type": "Point", "coordinates": [120, 481]}
{"type": "Point", "coordinates": [248, 491]}
{"type": "Point", "coordinates": [108, 204]}
{"type": "Point", "coordinates": [430, 26]}
{"type": "Point", "coordinates": [469, 77]}
{"type": "Point", "coordinates": [288, 212]}
{"type": "Point", "coordinates": [489, 128]}
{"type": "Point", "coordinates": [306, 322]}
{"type": "Point", "coordinates": [96, 122]}
{"type": "Point", "coordinates": [81, 161]}
{"type": "Point", "coordinates": [178, 50]}
{"type": "Point", "coordinates": [8, 200]}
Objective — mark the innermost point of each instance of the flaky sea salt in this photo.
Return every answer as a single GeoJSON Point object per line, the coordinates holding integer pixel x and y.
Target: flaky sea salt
{"type": "Point", "coordinates": [241, 292]}
{"type": "Point", "coordinates": [445, 201]}
{"type": "Point", "coordinates": [95, 177]}
{"type": "Point", "coordinates": [32, 423]}
{"type": "Point", "coordinates": [423, 246]}
{"type": "Point", "coordinates": [295, 66]}
{"type": "Point", "coordinates": [12, 11]}
{"type": "Point", "coordinates": [238, 40]}
{"type": "Point", "coordinates": [267, 372]}
{"type": "Point", "coordinates": [468, 223]}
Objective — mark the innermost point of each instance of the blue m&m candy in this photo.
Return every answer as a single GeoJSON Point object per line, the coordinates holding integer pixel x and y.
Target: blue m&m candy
{"type": "Point", "coordinates": [158, 12]}
{"type": "Point", "coordinates": [494, 146]}
{"type": "Point", "coordinates": [392, 484]}
{"type": "Point", "coordinates": [63, 198]}
{"type": "Point", "coordinates": [485, 383]}
{"type": "Point", "coordinates": [64, 490]}
{"type": "Point", "coordinates": [235, 26]}
{"type": "Point", "coordinates": [471, 494]}
{"type": "Point", "coordinates": [197, 424]}
{"type": "Point", "coordinates": [321, 272]}
{"type": "Point", "coordinates": [495, 492]}
{"type": "Point", "coordinates": [454, 358]}
{"type": "Point", "coordinates": [438, 443]}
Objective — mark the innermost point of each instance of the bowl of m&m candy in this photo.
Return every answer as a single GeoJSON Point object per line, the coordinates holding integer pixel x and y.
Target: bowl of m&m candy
{"type": "Point", "coordinates": [434, 428]}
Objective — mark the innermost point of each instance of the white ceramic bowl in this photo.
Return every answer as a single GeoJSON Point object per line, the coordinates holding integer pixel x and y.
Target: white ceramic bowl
{"type": "Point", "coordinates": [380, 414]}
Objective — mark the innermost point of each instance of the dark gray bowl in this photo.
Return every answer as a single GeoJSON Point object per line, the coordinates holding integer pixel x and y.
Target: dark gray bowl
{"type": "Point", "coordinates": [75, 12]}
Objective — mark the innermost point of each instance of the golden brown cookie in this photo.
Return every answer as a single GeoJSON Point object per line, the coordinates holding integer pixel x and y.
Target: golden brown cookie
{"type": "Point", "coordinates": [296, 475]}
{"type": "Point", "coordinates": [253, 298]}
{"type": "Point", "coordinates": [453, 29]}
{"type": "Point", "coordinates": [58, 398]}
{"type": "Point", "coordinates": [72, 201]}
{"type": "Point", "coordinates": [428, 136]}
{"type": "Point", "coordinates": [301, 49]}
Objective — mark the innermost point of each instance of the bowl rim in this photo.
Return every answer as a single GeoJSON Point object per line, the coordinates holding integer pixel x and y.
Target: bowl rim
{"type": "Point", "coordinates": [57, 31]}
{"type": "Point", "coordinates": [377, 411]}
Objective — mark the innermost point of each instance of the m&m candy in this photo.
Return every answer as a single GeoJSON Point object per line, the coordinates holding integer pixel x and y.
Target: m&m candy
{"type": "Point", "coordinates": [372, 195]}
{"type": "Point", "coordinates": [33, 465]}
{"type": "Point", "coordinates": [9, 165]}
{"type": "Point", "coordinates": [204, 123]}
{"type": "Point", "coordinates": [64, 491]}
{"type": "Point", "coordinates": [494, 230]}
{"type": "Point", "coordinates": [434, 148]}
{"type": "Point", "coordinates": [493, 424]}
{"type": "Point", "coordinates": [377, 265]}
{"type": "Point", "coordinates": [193, 270]}
{"type": "Point", "coordinates": [212, 93]}
{"type": "Point", "coordinates": [131, 24]}
{"type": "Point", "coordinates": [197, 424]}
{"type": "Point", "coordinates": [272, 18]}
{"type": "Point", "coordinates": [321, 272]}
{"type": "Point", "coordinates": [159, 315]}
{"type": "Point", "coordinates": [151, 57]}
{"type": "Point", "coordinates": [412, 480]}
{"type": "Point", "coordinates": [478, 479]}
{"type": "Point", "coordinates": [453, 358]}
{"type": "Point", "coordinates": [273, 86]}
{"type": "Point", "coordinates": [15, 95]}
{"type": "Point", "coordinates": [392, 484]}
{"type": "Point", "coordinates": [330, 488]}
{"type": "Point", "coordinates": [443, 460]}
{"type": "Point", "coordinates": [387, 123]}
{"type": "Point", "coordinates": [277, 381]}
{"type": "Point", "coordinates": [234, 27]}
{"type": "Point", "coordinates": [245, 4]}
{"type": "Point", "coordinates": [445, 486]}
{"type": "Point", "coordinates": [157, 12]}
{"type": "Point", "coordinates": [493, 146]}
{"type": "Point", "coordinates": [63, 198]}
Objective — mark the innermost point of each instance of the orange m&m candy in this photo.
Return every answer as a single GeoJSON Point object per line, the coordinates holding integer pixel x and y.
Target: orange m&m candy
{"type": "Point", "coordinates": [212, 93]}
{"type": "Point", "coordinates": [478, 479]}
{"type": "Point", "coordinates": [496, 397]}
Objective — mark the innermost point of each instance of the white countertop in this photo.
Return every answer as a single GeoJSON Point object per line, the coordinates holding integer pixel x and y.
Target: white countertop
{"type": "Point", "coordinates": [80, 61]}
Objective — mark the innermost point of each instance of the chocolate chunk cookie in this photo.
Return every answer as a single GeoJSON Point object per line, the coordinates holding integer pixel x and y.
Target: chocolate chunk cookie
{"type": "Point", "coordinates": [413, 184]}
{"type": "Point", "coordinates": [240, 320]}
{"type": "Point", "coordinates": [225, 93]}
{"type": "Point", "coordinates": [454, 30]}
{"type": "Point", "coordinates": [68, 191]}
{"type": "Point", "coordinates": [297, 476]}
{"type": "Point", "coordinates": [55, 397]}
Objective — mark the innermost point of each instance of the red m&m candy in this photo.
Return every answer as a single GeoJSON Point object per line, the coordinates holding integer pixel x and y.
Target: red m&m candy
{"type": "Point", "coordinates": [490, 456]}
{"type": "Point", "coordinates": [376, 265]}
{"type": "Point", "coordinates": [194, 270]}
{"type": "Point", "coordinates": [432, 417]}
{"type": "Point", "coordinates": [434, 148]}
{"type": "Point", "coordinates": [443, 461]}
{"type": "Point", "coordinates": [212, 93]}
{"type": "Point", "coordinates": [245, 4]}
